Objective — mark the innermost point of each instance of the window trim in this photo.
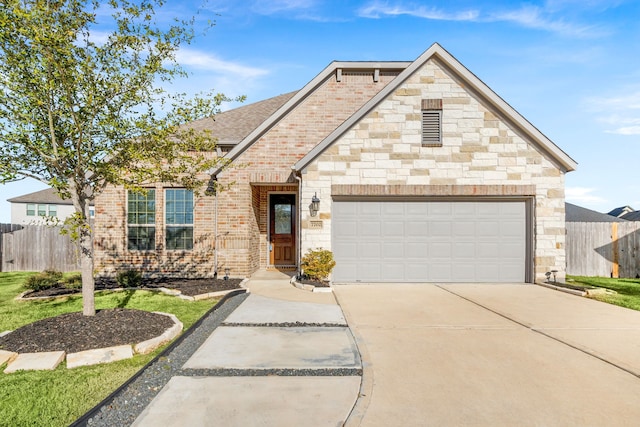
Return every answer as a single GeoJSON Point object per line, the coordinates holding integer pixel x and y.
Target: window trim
{"type": "Point", "coordinates": [153, 245]}
{"type": "Point", "coordinates": [168, 225]}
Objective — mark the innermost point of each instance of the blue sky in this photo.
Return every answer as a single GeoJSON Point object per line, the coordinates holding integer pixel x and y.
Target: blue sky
{"type": "Point", "coordinates": [571, 67]}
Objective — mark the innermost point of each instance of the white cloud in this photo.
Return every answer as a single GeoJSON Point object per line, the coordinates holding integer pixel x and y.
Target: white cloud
{"type": "Point", "coordinates": [527, 16]}
{"type": "Point", "coordinates": [582, 195]}
{"type": "Point", "coordinates": [206, 61]}
{"type": "Point", "coordinates": [377, 9]}
{"type": "Point", "coordinates": [626, 130]}
{"type": "Point", "coordinates": [536, 18]}
{"type": "Point", "coordinates": [275, 6]}
{"type": "Point", "coordinates": [623, 115]}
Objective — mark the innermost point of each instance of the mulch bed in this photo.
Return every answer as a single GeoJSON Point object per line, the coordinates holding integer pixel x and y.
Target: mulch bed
{"type": "Point", "coordinates": [74, 332]}
{"type": "Point", "coordinates": [189, 287]}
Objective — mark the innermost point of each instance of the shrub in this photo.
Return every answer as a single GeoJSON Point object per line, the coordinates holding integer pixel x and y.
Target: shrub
{"type": "Point", "coordinates": [73, 281]}
{"type": "Point", "coordinates": [317, 264]}
{"type": "Point", "coordinates": [45, 280]}
{"type": "Point", "coordinates": [129, 278]}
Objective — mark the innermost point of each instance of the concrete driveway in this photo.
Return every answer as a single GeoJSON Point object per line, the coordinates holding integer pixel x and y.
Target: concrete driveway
{"type": "Point", "coordinates": [492, 355]}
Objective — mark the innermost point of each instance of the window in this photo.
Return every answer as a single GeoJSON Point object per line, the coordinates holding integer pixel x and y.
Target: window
{"type": "Point", "coordinates": [42, 210]}
{"type": "Point", "coordinates": [53, 210]}
{"type": "Point", "coordinates": [92, 212]}
{"type": "Point", "coordinates": [432, 122]}
{"type": "Point", "coordinates": [141, 219]}
{"type": "Point", "coordinates": [179, 219]}
{"type": "Point", "coordinates": [31, 210]}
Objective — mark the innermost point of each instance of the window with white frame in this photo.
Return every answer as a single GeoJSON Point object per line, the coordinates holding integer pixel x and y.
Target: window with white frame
{"type": "Point", "coordinates": [42, 209]}
{"type": "Point", "coordinates": [178, 219]}
{"type": "Point", "coordinates": [141, 220]}
{"type": "Point", "coordinates": [432, 122]}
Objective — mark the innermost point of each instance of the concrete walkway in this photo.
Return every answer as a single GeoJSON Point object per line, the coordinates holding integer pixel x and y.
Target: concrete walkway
{"type": "Point", "coordinates": [283, 357]}
{"type": "Point", "coordinates": [492, 355]}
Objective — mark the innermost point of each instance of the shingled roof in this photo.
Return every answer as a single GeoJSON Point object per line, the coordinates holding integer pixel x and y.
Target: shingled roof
{"type": "Point", "coordinates": [48, 195]}
{"type": "Point", "coordinates": [232, 126]}
{"type": "Point", "coordinates": [575, 213]}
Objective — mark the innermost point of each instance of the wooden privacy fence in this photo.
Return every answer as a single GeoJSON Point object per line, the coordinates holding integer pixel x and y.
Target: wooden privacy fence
{"type": "Point", "coordinates": [605, 249]}
{"type": "Point", "coordinates": [36, 248]}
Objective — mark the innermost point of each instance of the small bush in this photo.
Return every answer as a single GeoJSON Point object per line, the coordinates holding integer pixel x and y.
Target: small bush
{"type": "Point", "coordinates": [45, 280]}
{"type": "Point", "coordinates": [317, 264]}
{"type": "Point", "coordinates": [73, 281]}
{"type": "Point", "coordinates": [129, 278]}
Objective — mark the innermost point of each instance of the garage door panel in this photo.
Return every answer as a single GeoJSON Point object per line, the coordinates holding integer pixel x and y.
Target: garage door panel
{"type": "Point", "coordinates": [393, 229]}
{"type": "Point", "coordinates": [437, 241]}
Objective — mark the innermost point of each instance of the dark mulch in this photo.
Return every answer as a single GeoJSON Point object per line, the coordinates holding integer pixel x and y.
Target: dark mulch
{"type": "Point", "coordinates": [315, 283]}
{"type": "Point", "coordinates": [189, 287]}
{"type": "Point", "coordinates": [74, 332]}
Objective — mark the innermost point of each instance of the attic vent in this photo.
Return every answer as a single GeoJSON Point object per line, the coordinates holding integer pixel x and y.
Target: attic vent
{"type": "Point", "coordinates": [432, 122]}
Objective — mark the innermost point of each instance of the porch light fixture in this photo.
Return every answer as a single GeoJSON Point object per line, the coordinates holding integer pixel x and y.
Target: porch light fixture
{"type": "Point", "coordinates": [315, 205]}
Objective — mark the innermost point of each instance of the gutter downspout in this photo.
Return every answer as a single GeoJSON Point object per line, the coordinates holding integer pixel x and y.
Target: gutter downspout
{"type": "Point", "coordinates": [298, 178]}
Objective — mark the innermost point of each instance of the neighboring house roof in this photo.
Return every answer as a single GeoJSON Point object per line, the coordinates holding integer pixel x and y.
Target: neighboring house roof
{"type": "Point", "coordinates": [49, 196]}
{"type": "Point", "coordinates": [632, 216]}
{"type": "Point", "coordinates": [473, 84]}
{"type": "Point", "coordinates": [575, 213]}
{"type": "Point", "coordinates": [301, 95]}
{"type": "Point", "coordinates": [622, 210]}
{"type": "Point", "coordinates": [232, 126]}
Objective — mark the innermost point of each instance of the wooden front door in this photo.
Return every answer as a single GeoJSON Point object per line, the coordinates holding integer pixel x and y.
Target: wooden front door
{"type": "Point", "coordinates": [282, 229]}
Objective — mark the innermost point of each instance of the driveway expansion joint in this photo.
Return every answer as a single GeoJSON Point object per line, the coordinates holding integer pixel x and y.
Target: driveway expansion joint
{"type": "Point", "coordinates": [286, 325]}
{"type": "Point", "coordinates": [268, 372]}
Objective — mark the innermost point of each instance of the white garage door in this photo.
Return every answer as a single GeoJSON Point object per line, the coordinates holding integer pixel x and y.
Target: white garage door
{"type": "Point", "coordinates": [435, 241]}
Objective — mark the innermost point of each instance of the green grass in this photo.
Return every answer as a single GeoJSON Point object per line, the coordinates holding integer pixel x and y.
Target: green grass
{"type": "Point", "coordinates": [57, 398]}
{"type": "Point", "coordinates": [627, 290]}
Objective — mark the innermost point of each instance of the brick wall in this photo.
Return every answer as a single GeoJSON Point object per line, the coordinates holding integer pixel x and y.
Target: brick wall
{"type": "Point", "coordinates": [479, 149]}
{"type": "Point", "coordinates": [263, 167]}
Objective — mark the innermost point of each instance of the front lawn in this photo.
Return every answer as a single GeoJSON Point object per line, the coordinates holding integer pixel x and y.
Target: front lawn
{"type": "Point", "coordinates": [628, 290]}
{"type": "Point", "coordinates": [57, 398]}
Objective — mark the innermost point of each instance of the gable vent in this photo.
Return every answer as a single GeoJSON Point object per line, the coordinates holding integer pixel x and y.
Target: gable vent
{"type": "Point", "coordinates": [432, 122]}
{"type": "Point", "coordinates": [431, 132]}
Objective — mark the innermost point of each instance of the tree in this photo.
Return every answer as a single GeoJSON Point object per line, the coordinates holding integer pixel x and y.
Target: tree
{"type": "Point", "coordinates": [80, 111]}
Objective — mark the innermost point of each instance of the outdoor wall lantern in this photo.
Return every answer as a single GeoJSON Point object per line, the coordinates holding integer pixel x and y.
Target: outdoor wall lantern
{"type": "Point", "coordinates": [315, 205]}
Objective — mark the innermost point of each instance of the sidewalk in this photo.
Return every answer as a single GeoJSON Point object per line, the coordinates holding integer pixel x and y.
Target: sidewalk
{"type": "Point", "coordinates": [283, 357]}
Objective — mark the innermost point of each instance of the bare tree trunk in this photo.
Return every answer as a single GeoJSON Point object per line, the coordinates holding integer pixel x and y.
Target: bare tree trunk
{"type": "Point", "coordinates": [86, 269]}
{"type": "Point", "coordinates": [83, 230]}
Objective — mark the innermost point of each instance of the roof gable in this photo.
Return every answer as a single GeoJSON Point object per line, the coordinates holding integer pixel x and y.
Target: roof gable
{"type": "Point", "coordinates": [574, 213]}
{"type": "Point", "coordinates": [48, 195]}
{"type": "Point", "coordinates": [301, 95]}
{"type": "Point", "coordinates": [473, 84]}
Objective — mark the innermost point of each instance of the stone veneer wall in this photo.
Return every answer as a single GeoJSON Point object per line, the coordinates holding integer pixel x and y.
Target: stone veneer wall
{"type": "Point", "coordinates": [263, 167]}
{"type": "Point", "coordinates": [479, 149]}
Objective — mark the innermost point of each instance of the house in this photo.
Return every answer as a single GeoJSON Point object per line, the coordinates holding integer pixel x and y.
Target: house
{"type": "Point", "coordinates": [35, 208]}
{"type": "Point", "coordinates": [574, 213]}
{"type": "Point", "coordinates": [407, 171]}
{"type": "Point", "coordinates": [622, 210]}
{"type": "Point", "coordinates": [631, 216]}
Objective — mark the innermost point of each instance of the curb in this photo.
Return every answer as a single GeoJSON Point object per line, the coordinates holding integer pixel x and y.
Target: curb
{"type": "Point", "coordinates": [310, 288]}
{"type": "Point", "coordinates": [563, 289]}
